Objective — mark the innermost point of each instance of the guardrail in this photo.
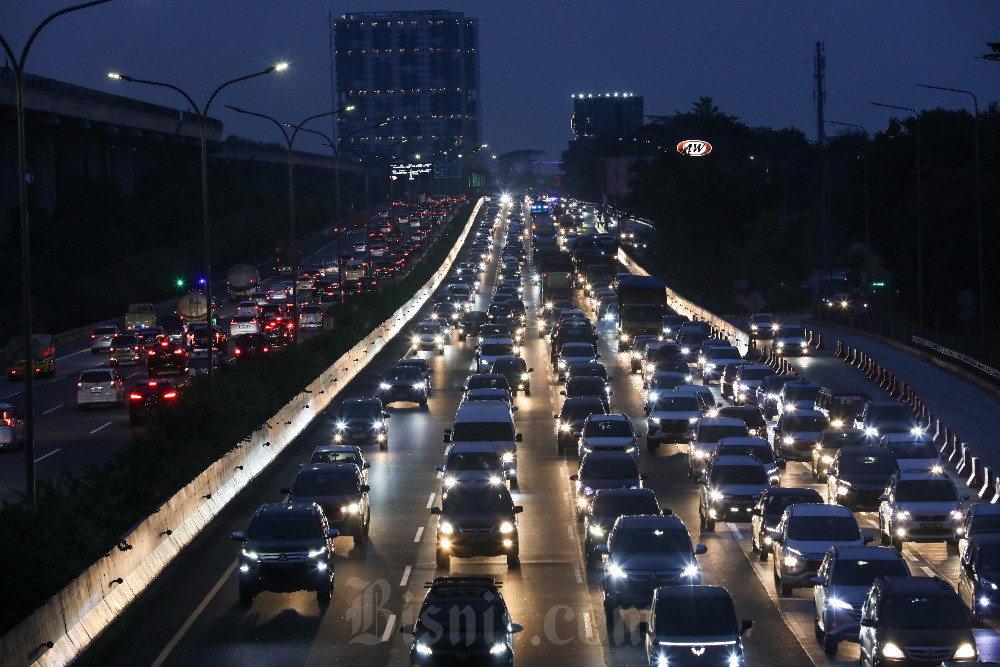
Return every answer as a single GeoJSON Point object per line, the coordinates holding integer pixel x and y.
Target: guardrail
{"type": "Point", "coordinates": [63, 627]}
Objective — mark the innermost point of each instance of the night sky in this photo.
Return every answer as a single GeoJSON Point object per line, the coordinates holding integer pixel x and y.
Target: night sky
{"type": "Point", "coordinates": [754, 58]}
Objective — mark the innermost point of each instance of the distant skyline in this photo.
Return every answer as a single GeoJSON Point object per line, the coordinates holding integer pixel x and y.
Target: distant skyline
{"type": "Point", "coordinates": [754, 59]}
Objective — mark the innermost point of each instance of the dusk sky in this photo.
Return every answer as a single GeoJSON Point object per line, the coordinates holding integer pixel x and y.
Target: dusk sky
{"type": "Point", "coordinates": [754, 58]}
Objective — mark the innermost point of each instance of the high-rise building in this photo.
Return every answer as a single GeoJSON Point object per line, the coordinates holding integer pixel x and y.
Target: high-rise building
{"type": "Point", "coordinates": [617, 114]}
{"type": "Point", "coordinates": [417, 69]}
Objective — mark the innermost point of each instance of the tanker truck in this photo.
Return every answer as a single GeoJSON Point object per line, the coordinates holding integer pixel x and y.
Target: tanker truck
{"type": "Point", "coordinates": [241, 281]}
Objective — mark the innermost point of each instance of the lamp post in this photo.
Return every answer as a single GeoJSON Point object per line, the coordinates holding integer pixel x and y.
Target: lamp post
{"type": "Point", "coordinates": [17, 66]}
{"type": "Point", "coordinates": [920, 225]}
{"type": "Point", "coordinates": [289, 139]}
{"type": "Point", "coordinates": [868, 251]}
{"type": "Point", "coordinates": [979, 204]}
{"type": "Point", "coordinates": [202, 122]}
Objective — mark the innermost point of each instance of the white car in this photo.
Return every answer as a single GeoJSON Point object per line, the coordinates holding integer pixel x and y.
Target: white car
{"type": "Point", "coordinates": [428, 335]}
{"type": "Point", "coordinates": [607, 433]}
{"type": "Point", "coordinates": [100, 386]}
{"type": "Point", "coordinates": [247, 308]}
{"type": "Point", "coordinates": [243, 324]}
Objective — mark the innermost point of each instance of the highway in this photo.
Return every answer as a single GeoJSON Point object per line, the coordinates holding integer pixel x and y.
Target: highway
{"type": "Point", "coordinates": [191, 616]}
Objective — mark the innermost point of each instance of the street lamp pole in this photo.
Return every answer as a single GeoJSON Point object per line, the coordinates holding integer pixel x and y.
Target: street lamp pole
{"type": "Point", "coordinates": [868, 251]}
{"type": "Point", "coordinates": [203, 121]}
{"type": "Point", "coordinates": [289, 139]}
{"type": "Point", "coordinates": [17, 66]}
{"type": "Point", "coordinates": [920, 225]}
{"type": "Point", "coordinates": [979, 204]}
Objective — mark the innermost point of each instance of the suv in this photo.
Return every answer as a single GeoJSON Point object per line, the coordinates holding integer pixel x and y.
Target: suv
{"type": "Point", "coordinates": [841, 408]}
{"type": "Point", "coordinates": [715, 359]}
{"type": "Point", "coordinates": [797, 394]}
{"type": "Point", "coordinates": [100, 386]}
{"type": "Point", "coordinates": [124, 349]}
{"type": "Point", "coordinates": [607, 433]}
{"type": "Point", "coordinates": [462, 619]}
{"type": "Point", "coordinates": [762, 325]}
{"type": "Point", "coordinates": [402, 383]}
{"type": "Point", "coordinates": [767, 393]}
{"type": "Point", "coordinates": [287, 547]}
{"type": "Point", "coordinates": [669, 417]}
{"type": "Point", "coordinates": [101, 337]}
{"type": "Point", "coordinates": [428, 335]}
{"type": "Point", "coordinates": [748, 377]}
{"type": "Point", "coordinates": [608, 505]}
{"type": "Point", "coordinates": [751, 416]}
{"type": "Point", "coordinates": [571, 417]}
{"type": "Point", "coordinates": [340, 489]}
{"type": "Point", "coordinates": [589, 385]}
{"type": "Point", "coordinates": [491, 349]}
{"type": "Point", "coordinates": [729, 490]}
{"type": "Point", "coordinates": [831, 441]}
{"type": "Point", "coordinates": [361, 421]}
{"type": "Point", "coordinates": [466, 462]}
{"type": "Point", "coordinates": [756, 447]}
{"type": "Point", "coordinates": [693, 625]}
{"type": "Point", "coordinates": [340, 454]}
{"type": "Point", "coordinates": [921, 507]}
{"type": "Point", "coordinates": [915, 621]}
{"type": "Point", "coordinates": [888, 417]}
{"type": "Point", "coordinates": [796, 433]}
{"type": "Point", "coordinates": [167, 356]}
{"type": "Point", "coordinates": [604, 470]}
{"type": "Point", "coordinates": [766, 515]}
{"type": "Point", "coordinates": [516, 371]}
{"type": "Point", "coordinates": [842, 582]}
{"type": "Point", "coordinates": [703, 437]}
{"type": "Point", "coordinates": [859, 476]}
{"type": "Point", "coordinates": [977, 575]}
{"type": "Point", "coordinates": [250, 346]}
{"type": "Point", "coordinates": [574, 352]}
{"type": "Point", "coordinates": [802, 538]}
{"type": "Point", "coordinates": [477, 520]}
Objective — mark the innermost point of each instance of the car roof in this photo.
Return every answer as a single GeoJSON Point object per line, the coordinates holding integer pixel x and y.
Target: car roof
{"type": "Point", "coordinates": [816, 509]}
{"type": "Point", "coordinates": [603, 455]}
{"type": "Point", "coordinates": [792, 491]}
{"type": "Point", "coordinates": [337, 447]}
{"type": "Point", "coordinates": [670, 521]}
{"type": "Point", "coordinates": [362, 400]}
{"type": "Point", "coordinates": [803, 413]}
{"type": "Point", "coordinates": [920, 476]}
{"type": "Point", "coordinates": [906, 586]}
{"type": "Point", "coordinates": [610, 418]}
{"type": "Point", "coordinates": [721, 421]}
{"type": "Point", "coordinates": [864, 450]}
{"type": "Point", "coordinates": [736, 460]}
{"type": "Point", "coordinates": [683, 593]}
{"type": "Point", "coordinates": [286, 509]}
{"type": "Point", "coordinates": [483, 411]}
{"type": "Point", "coordinates": [865, 553]}
{"type": "Point", "coordinates": [329, 467]}
{"type": "Point", "coordinates": [740, 441]}
{"type": "Point", "coordinates": [984, 508]}
{"type": "Point", "coordinates": [501, 341]}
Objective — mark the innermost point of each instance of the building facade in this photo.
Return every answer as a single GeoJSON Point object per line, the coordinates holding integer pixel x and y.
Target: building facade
{"type": "Point", "coordinates": [418, 70]}
{"type": "Point", "coordinates": [616, 114]}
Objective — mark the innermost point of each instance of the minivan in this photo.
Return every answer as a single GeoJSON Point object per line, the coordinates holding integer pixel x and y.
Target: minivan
{"type": "Point", "coordinates": [488, 422]}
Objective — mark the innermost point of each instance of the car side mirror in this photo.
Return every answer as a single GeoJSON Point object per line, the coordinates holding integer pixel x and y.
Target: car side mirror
{"type": "Point", "coordinates": [555, 416]}
{"type": "Point", "coordinates": [638, 435]}
{"type": "Point", "coordinates": [531, 370]}
{"type": "Point", "coordinates": [647, 409]}
{"type": "Point", "coordinates": [285, 490]}
{"type": "Point", "coordinates": [867, 537]}
{"type": "Point", "coordinates": [368, 464]}
{"type": "Point", "coordinates": [719, 405]}
{"type": "Point", "coordinates": [562, 392]}
{"type": "Point", "coordinates": [755, 511]}
{"type": "Point", "coordinates": [831, 472]}
{"type": "Point", "coordinates": [642, 477]}
{"type": "Point", "coordinates": [439, 468]}
{"type": "Point", "coordinates": [406, 629]}
{"type": "Point", "coordinates": [703, 480]}
{"type": "Point", "coordinates": [577, 434]}
{"type": "Point", "coordinates": [386, 416]}
{"type": "Point", "coordinates": [518, 437]}
{"type": "Point", "coordinates": [447, 435]}
{"type": "Point", "coordinates": [332, 533]}
{"type": "Point", "coordinates": [884, 497]}
{"type": "Point", "coordinates": [745, 625]}
{"type": "Point", "coordinates": [365, 488]}
{"type": "Point", "coordinates": [518, 509]}
{"type": "Point", "coordinates": [867, 622]}
{"type": "Point", "coordinates": [781, 463]}
{"type": "Point", "coordinates": [239, 536]}
{"type": "Point", "coordinates": [435, 510]}
{"type": "Point", "coordinates": [574, 478]}
{"type": "Point", "coordinates": [515, 627]}
{"type": "Point", "coordinates": [700, 549]}
{"type": "Point", "coordinates": [514, 408]}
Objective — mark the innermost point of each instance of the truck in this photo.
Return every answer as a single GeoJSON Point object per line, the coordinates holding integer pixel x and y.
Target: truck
{"type": "Point", "coordinates": [286, 257]}
{"type": "Point", "coordinates": [43, 354]}
{"type": "Point", "coordinates": [140, 316]}
{"type": "Point", "coordinates": [241, 280]}
{"type": "Point", "coordinates": [642, 303]}
{"type": "Point", "coordinates": [193, 306]}
{"type": "Point", "coordinates": [556, 286]}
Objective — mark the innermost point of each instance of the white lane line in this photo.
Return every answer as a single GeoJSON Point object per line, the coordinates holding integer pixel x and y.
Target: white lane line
{"type": "Point", "coordinates": [406, 576]}
{"type": "Point", "coordinates": [73, 354]}
{"type": "Point", "coordinates": [587, 627]}
{"type": "Point", "coordinates": [193, 617]}
{"type": "Point", "coordinates": [105, 425]}
{"type": "Point", "coordinates": [430, 501]}
{"type": "Point", "coordinates": [133, 375]}
{"type": "Point", "coordinates": [570, 530]}
{"type": "Point", "coordinates": [389, 625]}
{"type": "Point", "coordinates": [576, 572]}
{"type": "Point", "coordinates": [54, 451]}
{"type": "Point", "coordinates": [910, 556]}
{"type": "Point", "coordinates": [420, 531]}
{"type": "Point", "coordinates": [735, 531]}
{"type": "Point", "coordinates": [52, 409]}
{"type": "Point", "coordinates": [928, 571]}
{"type": "Point", "coordinates": [16, 393]}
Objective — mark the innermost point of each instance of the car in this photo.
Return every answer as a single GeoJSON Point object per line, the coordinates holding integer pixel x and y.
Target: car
{"type": "Point", "coordinates": [709, 407]}
{"type": "Point", "coordinates": [101, 337]}
{"type": "Point", "coordinates": [199, 360]}
{"type": "Point", "coordinates": [797, 432]}
{"type": "Point", "coordinates": [604, 470]}
{"type": "Point", "coordinates": [462, 620]}
{"type": "Point", "coordinates": [669, 417]}
{"type": "Point", "coordinates": [762, 326]}
{"type": "Point", "coordinates": [751, 416]}
{"type": "Point", "coordinates": [831, 441]}
{"type": "Point", "coordinates": [100, 386]}
{"type": "Point", "coordinates": [803, 536]}
{"type": "Point", "coordinates": [516, 370]}
{"type": "Point", "coordinates": [11, 428]}
{"type": "Point", "coordinates": [477, 519]}
{"type": "Point", "coordinates": [797, 394]}
{"type": "Point", "coordinates": [790, 339]}
{"type": "Point", "coordinates": [696, 620]}
{"type": "Point", "coordinates": [767, 393]}
{"type": "Point", "coordinates": [841, 408]}
{"type": "Point", "coordinates": [637, 350]}
{"type": "Point", "coordinates": [588, 368]}
{"type": "Point", "coordinates": [491, 349]}
{"type": "Point", "coordinates": [200, 336]}
{"type": "Point", "coordinates": [671, 323]}
{"type": "Point", "coordinates": [608, 505]}
{"type": "Point", "coordinates": [250, 346]}
{"type": "Point", "coordinates": [914, 621]}
{"type": "Point", "coordinates": [703, 436]}
{"type": "Point", "coordinates": [361, 421]}
{"type": "Point", "coordinates": [428, 335]}
{"type": "Point", "coordinates": [978, 570]}
{"type": "Point", "coordinates": [714, 360]}
{"type": "Point", "coordinates": [756, 447]}
{"type": "Point", "coordinates": [607, 433]}
{"type": "Point", "coordinates": [570, 419]}
{"type": "Point", "coordinates": [730, 488]}
{"type": "Point", "coordinates": [489, 381]}
{"type": "Point", "coordinates": [921, 507]}
{"type": "Point", "coordinates": [979, 519]}
{"type": "Point", "coordinates": [402, 383]}
{"type": "Point", "coordinates": [574, 353]}
{"type": "Point", "coordinates": [311, 316]}
{"type": "Point", "coordinates": [748, 377]}
{"type": "Point", "coordinates": [124, 349]}
{"type": "Point", "coordinates": [841, 585]}
{"type": "Point", "coordinates": [340, 453]}
{"type": "Point", "coordinates": [243, 324]}
{"type": "Point", "coordinates": [644, 551]}
{"type": "Point", "coordinates": [500, 330]}
{"type": "Point", "coordinates": [767, 513]}
{"type": "Point", "coordinates": [859, 475]}
{"type": "Point", "coordinates": [470, 462]}
{"type": "Point", "coordinates": [664, 381]}
{"type": "Point", "coordinates": [487, 394]}
{"type": "Point", "coordinates": [149, 336]}
{"type": "Point", "coordinates": [167, 356]}
{"type": "Point", "coordinates": [425, 369]}
{"type": "Point", "coordinates": [340, 489]}
{"type": "Point", "coordinates": [287, 547]}
{"type": "Point", "coordinates": [879, 418]}
{"type": "Point", "coordinates": [489, 422]}
{"type": "Point", "coordinates": [470, 322]}
{"type": "Point", "coordinates": [279, 329]}
{"type": "Point", "coordinates": [589, 385]}
{"type": "Point", "coordinates": [913, 451]}
{"type": "Point", "coordinates": [147, 396]}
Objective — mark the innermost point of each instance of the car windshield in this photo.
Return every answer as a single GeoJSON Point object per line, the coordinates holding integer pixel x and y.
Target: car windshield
{"type": "Point", "coordinates": [454, 619]}
{"type": "Point", "coordinates": [124, 341]}
{"type": "Point", "coordinates": [577, 350]}
{"type": "Point", "coordinates": [926, 490]}
{"type": "Point", "coordinates": [497, 349]}
{"type": "Point", "coordinates": [985, 523]}
{"type": "Point", "coordinates": [488, 383]}
{"type": "Point", "coordinates": [651, 540]}
{"type": "Point", "coordinates": [738, 475]}
{"type": "Point", "coordinates": [913, 450]}
{"type": "Point", "coordinates": [696, 617]}
{"type": "Point", "coordinates": [849, 572]}
{"type": "Point", "coordinates": [890, 413]}
{"type": "Point", "coordinates": [508, 365]}
{"type": "Point", "coordinates": [676, 404]}
{"type": "Point", "coordinates": [792, 332]}
{"type": "Point", "coordinates": [360, 411]}
{"type": "Point", "coordinates": [483, 432]}
{"type": "Point", "coordinates": [609, 469]}
{"type": "Point", "coordinates": [487, 395]}
{"type": "Point", "coordinates": [284, 527]}
{"type": "Point", "coordinates": [670, 381]}
{"type": "Point", "coordinates": [336, 457]}
{"type": "Point", "coordinates": [723, 353]}
{"type": "Point", "coordinates": [608, 428]}
{"type": "Point", "coordinates": [91, 377]}
{"type": "Point", "coordinates": [403, 373]}
{"type": "Point", "coordinates": [620, 505]}
{"type": "Point", "coordinates": [837, 439]}
{"type": "Point", "coordinates": [776, 504]}
{"type": "Point", "coordinates": [988, 557]}
{"type": "Point", "coordinates": [762, 453]}
{"type": "Point", "coordinates": [473, 500]}
{"type": "Point", "coordinates": [806, 423]}
{"type": "Point", "coordinates": [755, 373]}
{"type": "Point", "coordinates": [823, 529]}
{"type": "Point", "coordinates": [576, 410]}
{"type": "Point", "coordinates": [325, 483]}
{"type": "Point", "coordinates": [716, 432]}
{"type": "Point", "coordinates": [919, 611]}
{"type": "Point", "coordinates": [429, 329]}
{"type": "Point", "coordinates": [801, 393]}
{"type": "Point", "coordinates": [579, 387]}
{"type": "Point", "coordinates": [473, 461]}
{"type": "Point", "coordinates": [873, 464]}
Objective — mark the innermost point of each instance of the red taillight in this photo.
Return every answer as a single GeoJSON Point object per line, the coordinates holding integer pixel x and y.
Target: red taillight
{"type": "Point", "coordinates": [170, 394]}
{"type": "Point", "coordinates": [135, 397]}
{"type": "Point", "coordinates": [267, 349]}
{"type": "Point", "coordinates": [151, 352]}
{"type": "Point", "coordinates": [178, 351]}
{"type": "Point", "coordinates": [93, 335]}
{"type": "Point", "coordinates": [152, 383]}
{"type": "Point", "coordinates": [237, 351]}
{"type": "Point", "coordinates": [164, 343]}
{"type": "Point", "coordinates": [79, 384]}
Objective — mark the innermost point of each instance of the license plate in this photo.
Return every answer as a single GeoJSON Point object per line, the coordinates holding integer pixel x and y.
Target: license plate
{"type": "Point", "coordinates": [283, 567]}
{"type": "Point", "coordinates": [930, 525]}
{"type": "Point", "coordinates": [96, 390]}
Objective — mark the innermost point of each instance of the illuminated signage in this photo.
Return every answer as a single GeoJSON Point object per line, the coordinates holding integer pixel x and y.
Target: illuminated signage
{"type": "Point", "coordinates": [410, 171]}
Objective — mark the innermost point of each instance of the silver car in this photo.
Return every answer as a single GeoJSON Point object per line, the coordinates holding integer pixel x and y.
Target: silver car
{"type": "Point", "coordinates": [100, 338]}
{"type": "Point", "coordinates": [921, 507]}
{"type": "Point", "coordinates": [100, 386]}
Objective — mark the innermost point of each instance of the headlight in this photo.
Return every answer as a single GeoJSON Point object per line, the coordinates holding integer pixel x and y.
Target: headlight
{"type": "Point", "coordinates": [788, 440]}
{"type": "Point", "coordinates": [636, 355]}
{"type": "Point", "coordinates": [710, 367]}
{"type": "Point", "coordinates": [698, 454]}
{"type": "Point", "coordinates": [827, 458]}
{"type": "Point", "coordinates": [352, 508]}
{"type": "Point", "coordinates": [423, 649]}
{"type": "Point", "coordinates": [498, 649]}
{"type": "Point", "coordinates": [837, 423]}
{"type": "Point", "coordinates": [317, 552]}
{"type": "Point", "coordinates": [508, 457]}
{"type": "Point", "coordinates": [987, 584]}
{"type": "Point", "coordinates": [616, 571]}
{"type": "Point", "coordinates": [562, 363]}
{"type": "Point", "coordinates": [964, 651]}
{"type": "Point", "coordinates": [416, 340]}
{"type": "Point", "coordinates": [587, 491]}
{"type": "Point", "coordinates": [916, 430]}
{"type": "Point", "coordinates": [843, 490]}
{"type": "Point", "coordinates": [650, 367]}
{"type": "Point", "coordinates": [651, 396]}
{"type": "Point", "coordinates": [892, 651]}
{"type": "Point", "coordinates": [791, 561]}
{"type": "Point", "coordinates": [937, 470]}
{"type": "Point", "coordinates": [902, 515]}
{"type": "Point", "coordinates": [717, 495]}
{"type": "Point", "coordinates": [449, 482]}
{"type": "Point", "coordinates": [524, 376]}
{"type": "Point", "coordinates": [438, 339]}
{"type": "Point", "coordinates": [692, 420]}
{"type": "Point", "coordinates": [691, 570]}
{"type": "Point", "coordinates": [564, 428]}
{"type": "Point", "coordinates": [341, 425]}
{"type": "Point", "coordinates": [384, 385]}
{"type": "Point", "coordinates": [377, 424]}
{"type": "Point", "coordinates": [957, 514]}
{"type": "Point", "coordinates": [805, 343]}
{"type": "Point", "coordinates": [624, 337]}
{"type": "Point", "coordinates": [834, 603]}
{"type": "Point", "coordinates": [666, 330]}
{"type": "Point", "coordinates": [685, 350]}
{"type": "Point", "coordinates": [596, 530]}
{"type": "Point", "coordinates": [446, 528]}
{"type": "Point", "coordinates": [252, 555]}
{"type": "Point", "coordinates": [418, 385]}
{"type": "Point", "coordinates": [506, 527]}
{"type": "Point", "coordinates": [872, 431]}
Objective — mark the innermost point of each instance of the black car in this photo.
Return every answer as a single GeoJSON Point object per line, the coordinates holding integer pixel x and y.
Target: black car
{"type": "Point", "coordinates": [402, 383]}
{"type": "Point", "coordinates": [570, 418]}
{"type": "Point", "coordinates": [589, 386]}
{"type": "Point", "coordinates": [463, 620]}
{"type": "Point", "coordinates": [250, 346]}
{"type": "Point", "coordinates": [200, 336]}
{"type": "Point", "coordinates": [978, 576]}
{"type": "Point", "coordinates": [287, 547]}
{"type": "Point", "coordinates": [477, 519]}
{"type": "Point", "coordinates": [592, 368]}
{"type": "Point", "coordinates": [571, 334]}
{"type": "Point", "coordinates": [607, 506]}
{"type": "Point", "coordinates": [751, 416]}
{"type": "Point", "coordinates": [766, 514]}
{"type": "Point", "coordinates": [147, 396]}
{"type": "Point", "coordinates": [516, 371]}
{"type": "Point", "coordinates": [340, 490]}
{"type": "Point", "coordinates": [693, 625]}
{"type": "Point", "coordinates": [361, 421]}
{"type": "Point", "coordinates": [767, 393]}
{"type": "Point", "coordinates": [470, 322]}
{"type": "Point", "coordinates": [167, 357]}
{"type": "Point", "coordinates": [425, 369]}
{"type": "Point", "coordinates": [859, 475]}
{"type": "Point", "coordinates": [604, 470]}
{"type": "Point", "coordinates": [487, 381]}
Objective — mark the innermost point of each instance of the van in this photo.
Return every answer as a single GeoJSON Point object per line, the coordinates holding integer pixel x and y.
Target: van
{"type": "Point", "coordinates": [488, 422]}
{"type": "Point", "coordinates": [43, 355]}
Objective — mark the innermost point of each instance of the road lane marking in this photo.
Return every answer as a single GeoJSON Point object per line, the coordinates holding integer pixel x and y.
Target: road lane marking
{"type": "Point", "coordinates": [389, 625]}
{"type": "Point", "coordinates": [430, 501]}
{"type": "Point", "coordinates": [133, 375]}
{"type": "Point", "coordinates": [54, 451]}
{"type": "Point", "coordinates": [910, 556]}
{"type": "Point", "coordinates": [587, 628]}
{"type": "Point", "coordinates": [105, 425]}
{"type": "Point", "coordinates": [576, 572]}
{"type": "Point", "coordinates": [406, 576]}
{"type": "Point", "coordinates": [16, 393]}
{"type": "Point", "coordinates": [193, 617]}
{"type": "Point", "coordinates": [735, 531]}
{"type": "Point", "coordinates": [420, 531]}
{"type": "Point", "coordinates": [571, 531]}
{"type": "Point", "coordinates": [928, 571]}
{"type": "Point", "coordinates": [52, 409]}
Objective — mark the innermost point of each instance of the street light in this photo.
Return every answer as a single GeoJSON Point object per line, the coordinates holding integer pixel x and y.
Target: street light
{"type": "Point", "coordinates": [920, 225]}
{"type": "Point", "coordinates": [202, 121]}
{"type": "Point", "coordinates": [868, 250]}
{"type": "Point", "coordinates": [289, 139]}
{"type": "Point", "coordinates": [17, 66]}
{"type": "Point", "coordinates": [979, 203]}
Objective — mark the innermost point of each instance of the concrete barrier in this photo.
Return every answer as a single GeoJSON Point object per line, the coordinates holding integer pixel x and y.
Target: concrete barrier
{"type": "Point", "coordinates": [56, 633]}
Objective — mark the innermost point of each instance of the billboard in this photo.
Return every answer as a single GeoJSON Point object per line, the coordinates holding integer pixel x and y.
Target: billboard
{"type": "Point", "coordinates": [451, 169]}
{"type": "Point", "coordinates": [410, 171]}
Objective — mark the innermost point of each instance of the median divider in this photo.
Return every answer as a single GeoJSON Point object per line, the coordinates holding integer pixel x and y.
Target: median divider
{"type": "Point", "coordinates": [57, 632]}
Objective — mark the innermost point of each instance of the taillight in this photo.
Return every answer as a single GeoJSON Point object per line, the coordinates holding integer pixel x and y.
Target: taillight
{"type": "Point", "coordinates": [135, 397]}
{"type": "Point", "coordinates": [237, 351]}
{"type": "Point", "coordinates": [178, 351]}
{"type": "Point", "coordinates": [151, 352]}
{"type": "Point", "coordinates": [79, 384]}
{"type": "Point", "coordinates": [170, 394]}
{"type": "Point", "coordinates": [93, 335]}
